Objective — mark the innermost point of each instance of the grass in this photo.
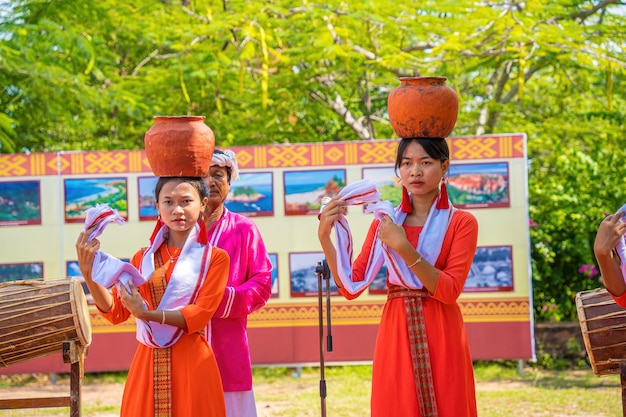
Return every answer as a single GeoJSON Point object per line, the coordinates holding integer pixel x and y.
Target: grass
{"type": "Point", "coordinates": [500, 391]}
{"type": "Point", "coordinates": [291, 392]}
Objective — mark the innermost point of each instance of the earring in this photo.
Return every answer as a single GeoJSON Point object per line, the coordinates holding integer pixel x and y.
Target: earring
{"type": "Point", "coordinates": [203, 236]}
{"type": "Point", "coordinates": [443, 201]}
{"type": "Point", "coordinates": [406, 205]}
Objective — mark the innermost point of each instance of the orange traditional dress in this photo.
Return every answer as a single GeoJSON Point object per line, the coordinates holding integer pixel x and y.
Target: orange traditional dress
{"type": "Point", "coordinates": [427, 358]}
{"type": "Point", "coordinates": [188, 369]}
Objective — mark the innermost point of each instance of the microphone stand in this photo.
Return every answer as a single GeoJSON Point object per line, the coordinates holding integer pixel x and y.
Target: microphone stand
{"type": "Point", "coordinates": [323, 272]}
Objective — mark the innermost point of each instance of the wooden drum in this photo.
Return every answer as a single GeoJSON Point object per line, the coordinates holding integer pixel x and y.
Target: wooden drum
{"type": "Point", "coordinates": [36, 317]}
{"type": "Point", "coordinates": [603, 325]}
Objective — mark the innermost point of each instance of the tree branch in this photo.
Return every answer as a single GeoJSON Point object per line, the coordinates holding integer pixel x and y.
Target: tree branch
{"type": "Point", "coordinates": [339, 107]}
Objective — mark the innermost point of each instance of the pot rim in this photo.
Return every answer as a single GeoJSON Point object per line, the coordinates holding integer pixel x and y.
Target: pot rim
{"type": "Point", "coordinates": [435, 77]}
{"type": "Point", "coordinates": [179, 117]}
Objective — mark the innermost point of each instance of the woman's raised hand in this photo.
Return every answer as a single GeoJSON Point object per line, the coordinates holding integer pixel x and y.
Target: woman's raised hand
{"type": "Point", "coordinates": [86, 252]}
{"type": "Point", "coordinates": [330, 213]}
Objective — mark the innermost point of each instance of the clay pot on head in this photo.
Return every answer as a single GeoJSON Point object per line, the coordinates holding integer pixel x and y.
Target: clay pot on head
{"type": "Point", "coordinates": [179, 146]}
{"type": "Point", "coordinates": [423, 107]}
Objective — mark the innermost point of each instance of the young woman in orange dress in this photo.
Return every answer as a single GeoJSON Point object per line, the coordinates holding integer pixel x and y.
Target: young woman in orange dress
{"type": "Point", "coordinates": [422, 364]}
{"type": "Point", "coordinates": [174, 371]}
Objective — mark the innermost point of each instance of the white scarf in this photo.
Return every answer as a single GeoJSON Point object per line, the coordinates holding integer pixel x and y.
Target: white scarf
{"type": "Point", "coordinates": [108, 270]}
{"type": "Point", "coordinates": [429, 244]}
{"type": "Point", "coordinates": [187, 277]}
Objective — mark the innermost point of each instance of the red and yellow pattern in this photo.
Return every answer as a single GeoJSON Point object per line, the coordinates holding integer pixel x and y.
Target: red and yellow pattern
{"type": "Point", "coordinates": [346, 313]}
{"type": "Point", "coordinates": [254, 157]}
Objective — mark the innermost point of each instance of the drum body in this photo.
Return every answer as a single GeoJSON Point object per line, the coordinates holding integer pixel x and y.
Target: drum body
{"type": "Point", "coordinates": [603, 325]}
{"type": "Point", "coordinates": [36, 317]}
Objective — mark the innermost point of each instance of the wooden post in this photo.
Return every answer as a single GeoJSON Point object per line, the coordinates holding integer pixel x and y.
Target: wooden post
{"type": "Point", "coordinates": [73, 354]}
{"type": "Point", "coordinates": [622, 369]}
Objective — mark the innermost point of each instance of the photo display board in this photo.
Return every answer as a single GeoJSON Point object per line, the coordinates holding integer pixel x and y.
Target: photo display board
{"type": "Point", "coordinates": [43, 197]}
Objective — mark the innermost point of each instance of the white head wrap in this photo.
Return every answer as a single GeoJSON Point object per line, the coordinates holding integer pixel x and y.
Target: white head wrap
{"type": "Point", "coordinates": [227, 159]}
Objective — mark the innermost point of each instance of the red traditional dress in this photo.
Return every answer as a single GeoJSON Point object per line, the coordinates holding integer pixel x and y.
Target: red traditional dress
{"type": "Point", "coordinates": [399, 376]}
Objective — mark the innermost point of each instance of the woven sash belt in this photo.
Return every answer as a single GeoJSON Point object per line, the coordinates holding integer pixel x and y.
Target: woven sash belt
{"type": "Point", "coordinates": [418, 341]}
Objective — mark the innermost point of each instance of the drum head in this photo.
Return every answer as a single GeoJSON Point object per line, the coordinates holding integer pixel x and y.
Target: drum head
{"type": "Point", "coordinates": [82, 321]}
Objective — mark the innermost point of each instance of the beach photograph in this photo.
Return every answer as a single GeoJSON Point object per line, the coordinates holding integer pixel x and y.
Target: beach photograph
{"type": "Point", "coordinates": [84, 193]}
{"type": "Point", "coordinates": [251, 195]}
{"type": "Point", "coordinates": [479, 185]}
{"type": "Point", "coordinates": [304, 190]}
{"type": "Point", "coordinates": [387, 183]}
{"type": "Point", "coordinates": [72, 270]}
{"type": "Point", "coordinates": [147, 202]}
{"type": "Point", "coordinates": [303, 277]}
{"type": "Point", "coordinates": [20, 203]}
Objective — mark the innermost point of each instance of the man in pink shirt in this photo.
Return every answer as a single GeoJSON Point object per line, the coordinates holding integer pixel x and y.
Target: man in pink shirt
{"type": "Point", "coordinates": [247, 290]}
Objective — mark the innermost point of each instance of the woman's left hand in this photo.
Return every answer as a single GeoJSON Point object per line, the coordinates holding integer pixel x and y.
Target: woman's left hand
{"type": "Point", "coordinates": [393, 235]}
{"type": "Point", "coordinates": [132, 300]}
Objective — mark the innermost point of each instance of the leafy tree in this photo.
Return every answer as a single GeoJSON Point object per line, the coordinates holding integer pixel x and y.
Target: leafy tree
{"type": "Point", "coordinates": [90, 75]}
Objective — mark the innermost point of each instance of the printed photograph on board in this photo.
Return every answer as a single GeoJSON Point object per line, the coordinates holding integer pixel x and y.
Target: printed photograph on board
{"type": "Point", "coordinates": [304, 280]}
{"type": "Point", "coordinates": [20, 203]}
{"type": "Point", "coordinates": [387, 183]}
{"type": "Point", "coordinates": [251, 195]}
{"type": "Point", "coordinates": [84, 193]}
{"type": "Point", "coordinates": [274, 261]}
{"type": "Point", "coordinates": [304, 190]}
{"type": "Point", "coordinates": [474, 186]}
{"type": "Point", "coordinates": [147, 202]}
{"type": "Point", "coordinates": [73, 271]}
{"type": "Point", "coordinates": [492, 270]}
{"type": "Point", "coordinates": [379, 283]}
{"type": "Point", "coordinates": [21, 272]}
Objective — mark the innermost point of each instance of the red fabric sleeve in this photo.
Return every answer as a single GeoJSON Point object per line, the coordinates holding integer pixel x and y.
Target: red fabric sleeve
{"type": "Point", "coordinates": [198, 314]}
{"type": "Point", "coordinates": [458, 249]}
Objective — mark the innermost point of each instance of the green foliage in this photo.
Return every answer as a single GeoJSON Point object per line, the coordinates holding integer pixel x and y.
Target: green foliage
{"type": "Point", "coordinates": [545, 361]}
{"type": "Point", "coordinates": [91, 75]}
{"type": "Point", "coordinates": [575, 179]}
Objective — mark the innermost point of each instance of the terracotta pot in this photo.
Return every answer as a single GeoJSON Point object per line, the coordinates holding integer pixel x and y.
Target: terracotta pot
{"type": "Point", "coordinates": [179, 146]}
{"type": "Point", "coordinates": [422, 107]}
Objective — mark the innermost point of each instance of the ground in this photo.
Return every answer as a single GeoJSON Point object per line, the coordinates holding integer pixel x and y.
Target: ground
{"type": "Point", "coordinates": [274, 398]}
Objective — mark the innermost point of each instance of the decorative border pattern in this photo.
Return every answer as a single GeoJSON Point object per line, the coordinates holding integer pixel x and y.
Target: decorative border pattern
{"type": "Point", "coordinates": [355, 313]}
{"type": "Point", "coordinates": [253, 157]}
{"type": "Point", "coordinates": [348, 313]}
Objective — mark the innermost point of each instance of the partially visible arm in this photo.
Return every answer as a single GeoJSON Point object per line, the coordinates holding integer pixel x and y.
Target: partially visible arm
{"type": "Point", "coordinates": [609, 232]}
{"type": "Point", "coordinates": [198, 314]}
{"type": "Point", "coordinates": [133, 301]}
{"type": "Point", "coordinates": [395, 237]}
{"type": "Point", "coordinates": [444, 284]}
{"type": "Point", "coordinates": [463, 240]}
{"type": "Point", "coordinates": [329, 215]}
{"type": "Point", "coordinates": [195, 316]}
